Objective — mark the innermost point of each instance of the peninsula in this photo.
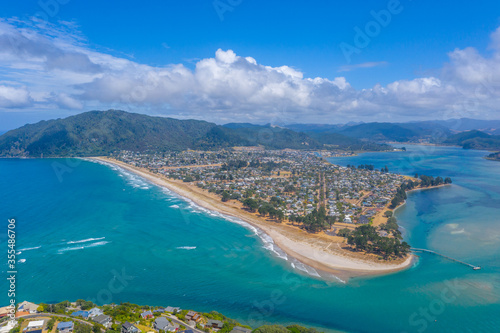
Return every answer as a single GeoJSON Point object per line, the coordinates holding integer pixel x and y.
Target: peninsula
{"type": "Point", "coordinates": [335, 219]}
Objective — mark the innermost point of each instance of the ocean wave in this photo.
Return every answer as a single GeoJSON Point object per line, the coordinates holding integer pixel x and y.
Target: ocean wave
{"type": "Point", "coordinates": [21, 260]}
{"type": "Point", "coordinates": [82, 247]}
{"type": "Point", "coordinates": [85, 240]}
{"type": "Point", "coordinates": [132, 179]}
{"type": "Point", "coordinates": [266, 239]}
{"type": "Point", "coordinates": [268, 242]}
{"type": "Point", "coordinates": [186, 247]}
{"type": "Point", "coordinates": [29, 248]}
{"type": "Point", "coordinates": [306, 269]}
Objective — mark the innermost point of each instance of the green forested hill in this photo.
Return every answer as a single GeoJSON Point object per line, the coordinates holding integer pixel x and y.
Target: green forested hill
{"type": "Point", "coordinates": [346, 142]}
{"type": "Point", "coordinates": [100, 132]}
{"type": "Point", "coordinates": [475, 140]}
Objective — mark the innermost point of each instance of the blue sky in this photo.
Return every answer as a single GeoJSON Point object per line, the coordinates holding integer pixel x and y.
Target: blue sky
{"type": "Point", "coordinates": [410, 67]}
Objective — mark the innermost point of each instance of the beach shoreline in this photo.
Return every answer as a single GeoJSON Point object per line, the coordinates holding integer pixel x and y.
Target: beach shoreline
{"type": "Point", "coordinates": [317, 251]}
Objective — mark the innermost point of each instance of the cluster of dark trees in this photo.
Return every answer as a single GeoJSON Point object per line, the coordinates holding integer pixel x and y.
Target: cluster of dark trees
{"type": "Point", "coordinates": [426, 181]}
{"type": "Point", "coordinates": [265, 208]}
{"type": "Point", "coordinates": [315, 221]}
{"type": "Point", "coordinates": [366, 167]}
{"type": "Point", "coordinates": [268, 209]}
{"type": "Point", "coordinates": [366, 238]}
{"type": "Point", "coordinates": [391, 226]}
{"type": "Point", "coordinates": [362, 167]}
{"type": "Point", "coordinates": [234, 165]}
{"type": "Point", "coordinates": [226, 196]}
{"type": "Point", "coordinates": [370, 167]}
{"type": "Point", "coordinates": [61, 307]}
{"type": "Point", "coordinates": [399, 197]}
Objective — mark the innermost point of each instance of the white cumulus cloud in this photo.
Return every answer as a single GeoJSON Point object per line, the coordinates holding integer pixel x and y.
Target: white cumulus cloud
{"type": "Point", "coordinates": [12, 97]}
{"type": "Point", "coordinates": [57, 69]}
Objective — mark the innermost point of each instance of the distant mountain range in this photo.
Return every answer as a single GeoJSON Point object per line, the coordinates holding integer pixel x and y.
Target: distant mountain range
{"type": "Point", "coordinates": [474, 140]}
{"type": "Point", "coordinates": [467, 133]}
{"type": "Point", "coordinates": [102, 132]}
{"type": "Point", "coordinates": [416, 129]}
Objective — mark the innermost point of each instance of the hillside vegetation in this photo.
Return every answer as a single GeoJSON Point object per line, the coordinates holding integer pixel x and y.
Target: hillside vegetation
{"type": "Point", "coordinates": [475, 140]}
{"type": "Point", "coordinates": [102, 132]}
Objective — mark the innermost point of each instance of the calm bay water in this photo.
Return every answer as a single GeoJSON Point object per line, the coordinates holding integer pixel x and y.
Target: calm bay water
{"type": "Point", "coordinates": [100, 233]}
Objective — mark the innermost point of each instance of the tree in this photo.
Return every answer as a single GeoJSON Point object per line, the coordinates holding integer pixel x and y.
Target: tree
{"type": "Point", "coordinates": [82, 328]}
{"type": "Point", "coordinates": [251, 204]}
{"type": "Point", "coordinates": [263, 210]}
{"type": "Point", "coordinates": [188, 179]}
{"type": "Point", "coordinates": [344, 232]}
{"type": "Point", "coordinates": [388, 213]}
{"type": "Point", "coordinates": [50, 324]}
{"type": "Point", "coordinates": [225, 196]}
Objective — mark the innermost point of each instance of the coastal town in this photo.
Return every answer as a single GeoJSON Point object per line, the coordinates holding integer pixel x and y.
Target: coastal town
{"type": "Point", "coordinates": [298, 188]}
{"type": "Point", "coordinates": [294, 182]}
{"type": "Point", "coordinates": [86, 317]}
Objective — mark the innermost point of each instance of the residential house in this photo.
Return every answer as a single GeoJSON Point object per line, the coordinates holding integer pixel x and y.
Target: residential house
{"type": "Point", "coordinates": [81, 313]}
{"type": "Point", "coordinates": [35, 325]}
{"type": "Point", "coordinates": [383, 233]}
{"type": "Point", "coordinates": [65, 326]}
{"type": "Point", "coordinates": [129, 328]}
{"type": "Point", "coordinates": [162, 323]}
{"type": "Point", "coordinates": [28, 307]}
{"type": "Point", "coordinates": [217, 324]}
{"type": "Point", "coordinates": [104, 320]}
{"type": "Point", "coordinates": [363, 219]}
{"type": "Point", "coordinates": [147, 315]}
{"type": "Point", "coordinates": [94, 312]}
{"type": "Point", "coordinates": [5, 311]}
{"type": "Point", "coordinates": [172, 309]}
{"type": "Point", "coordinates": [191, 315]}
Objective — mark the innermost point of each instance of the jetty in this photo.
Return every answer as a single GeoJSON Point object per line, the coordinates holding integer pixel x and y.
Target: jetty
{"type": "Point", "coordinates": [474, 267]}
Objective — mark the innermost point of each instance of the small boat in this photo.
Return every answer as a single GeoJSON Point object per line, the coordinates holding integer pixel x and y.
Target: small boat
{"type": "Point", "coordinates": [477, 268]}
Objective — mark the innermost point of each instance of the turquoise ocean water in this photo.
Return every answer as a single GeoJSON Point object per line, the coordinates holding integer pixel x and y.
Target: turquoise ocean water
{"type": "Point", "coordinates": [90, 231]}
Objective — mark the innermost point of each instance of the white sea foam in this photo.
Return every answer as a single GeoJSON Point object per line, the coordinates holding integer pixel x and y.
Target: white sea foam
{"type": "Point", "coordinates": [138, 181]}
{"type": "Point", "coordinates": [85, 240]}
{"type": "Point", "coordinates": [30, 248]}
{"type": "Point", "coordinates": [21, 260]}
{"type": "Point", "coordinates": [186, 247]}
{"type": "Point", "coordinates": [82, 247]}
{"type": "Point", "coordinates": [132, 179]}
{"type": "Point", "coordinates": [267, 241]}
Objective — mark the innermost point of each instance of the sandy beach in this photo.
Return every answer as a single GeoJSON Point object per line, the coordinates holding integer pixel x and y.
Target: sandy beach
{"type": "Point", "coordinates": [320, 251]}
